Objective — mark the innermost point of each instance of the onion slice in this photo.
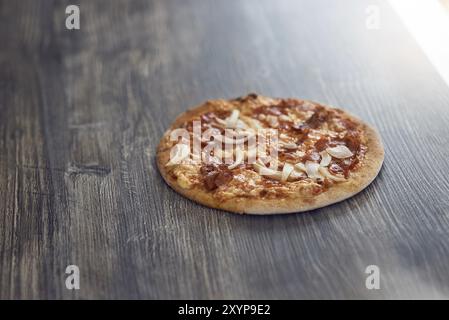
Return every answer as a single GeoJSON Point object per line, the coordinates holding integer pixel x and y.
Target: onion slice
{"type": "Point", "coordinates": [340, 152]}
{"type": "Point", "coordinates": [241, 125]}
{"type": "Point", "coordinates": [300, 153]}
{"type": "Point", "coordinates": [288, 168]}
{"type": "Point", "coordinates": [231, 121]}
{"type": "Point", "coordinates": [325, 159]}
{"type": "Point", "coordinates": [221, 121]}
{"type": "Point", "coordinates": [295, 175]}
{"type": "Point", "coordinates": [300, 166]}
{"type": "Point", "coordinates": [264, 171]}
{"type": "Point", "coordinates": [312, 170]}
{"type": "Point", "coordinates": [289, 145]}
{"type": "Point", "coordinates": [325, 172]}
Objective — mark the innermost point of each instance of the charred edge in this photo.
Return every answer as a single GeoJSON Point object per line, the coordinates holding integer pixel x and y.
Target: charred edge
{"type": "Point", "coordinates": [244, 98]}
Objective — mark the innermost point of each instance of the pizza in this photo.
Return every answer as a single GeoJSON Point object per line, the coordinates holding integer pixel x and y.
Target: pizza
{"type": "Point", "coordinates": [261, 155]}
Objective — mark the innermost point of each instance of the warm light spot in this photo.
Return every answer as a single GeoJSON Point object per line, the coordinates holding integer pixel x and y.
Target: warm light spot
{"type": "Point", "coordinates": [428, 22]}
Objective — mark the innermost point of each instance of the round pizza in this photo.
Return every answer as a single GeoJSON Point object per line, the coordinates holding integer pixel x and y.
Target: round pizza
{"type": "Point", "coordinates": [263, 155]}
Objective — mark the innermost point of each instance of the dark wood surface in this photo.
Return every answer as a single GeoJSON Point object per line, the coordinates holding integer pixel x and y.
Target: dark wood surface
{"type": "Point", "coordinates": [81, 113]}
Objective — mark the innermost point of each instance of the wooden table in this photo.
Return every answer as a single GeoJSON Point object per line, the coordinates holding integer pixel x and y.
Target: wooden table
{"type": "Point", "coordinates": [81, 113]}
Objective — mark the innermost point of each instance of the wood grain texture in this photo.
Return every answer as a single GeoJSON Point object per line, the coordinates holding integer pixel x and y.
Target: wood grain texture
{"type": "Point", "coordinates": [81, 113]}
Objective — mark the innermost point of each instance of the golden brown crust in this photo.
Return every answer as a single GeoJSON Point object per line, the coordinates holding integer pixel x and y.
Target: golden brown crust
{"type": "Point", "coordinates": [358, 180]}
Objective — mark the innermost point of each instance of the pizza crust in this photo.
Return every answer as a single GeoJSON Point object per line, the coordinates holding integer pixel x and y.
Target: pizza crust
{"type": "Point", "coordinates": [359, 179]}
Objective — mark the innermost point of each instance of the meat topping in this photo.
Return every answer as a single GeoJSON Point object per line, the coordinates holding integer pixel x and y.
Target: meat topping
{"type": "Point", "coordinates": [215, 176]}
